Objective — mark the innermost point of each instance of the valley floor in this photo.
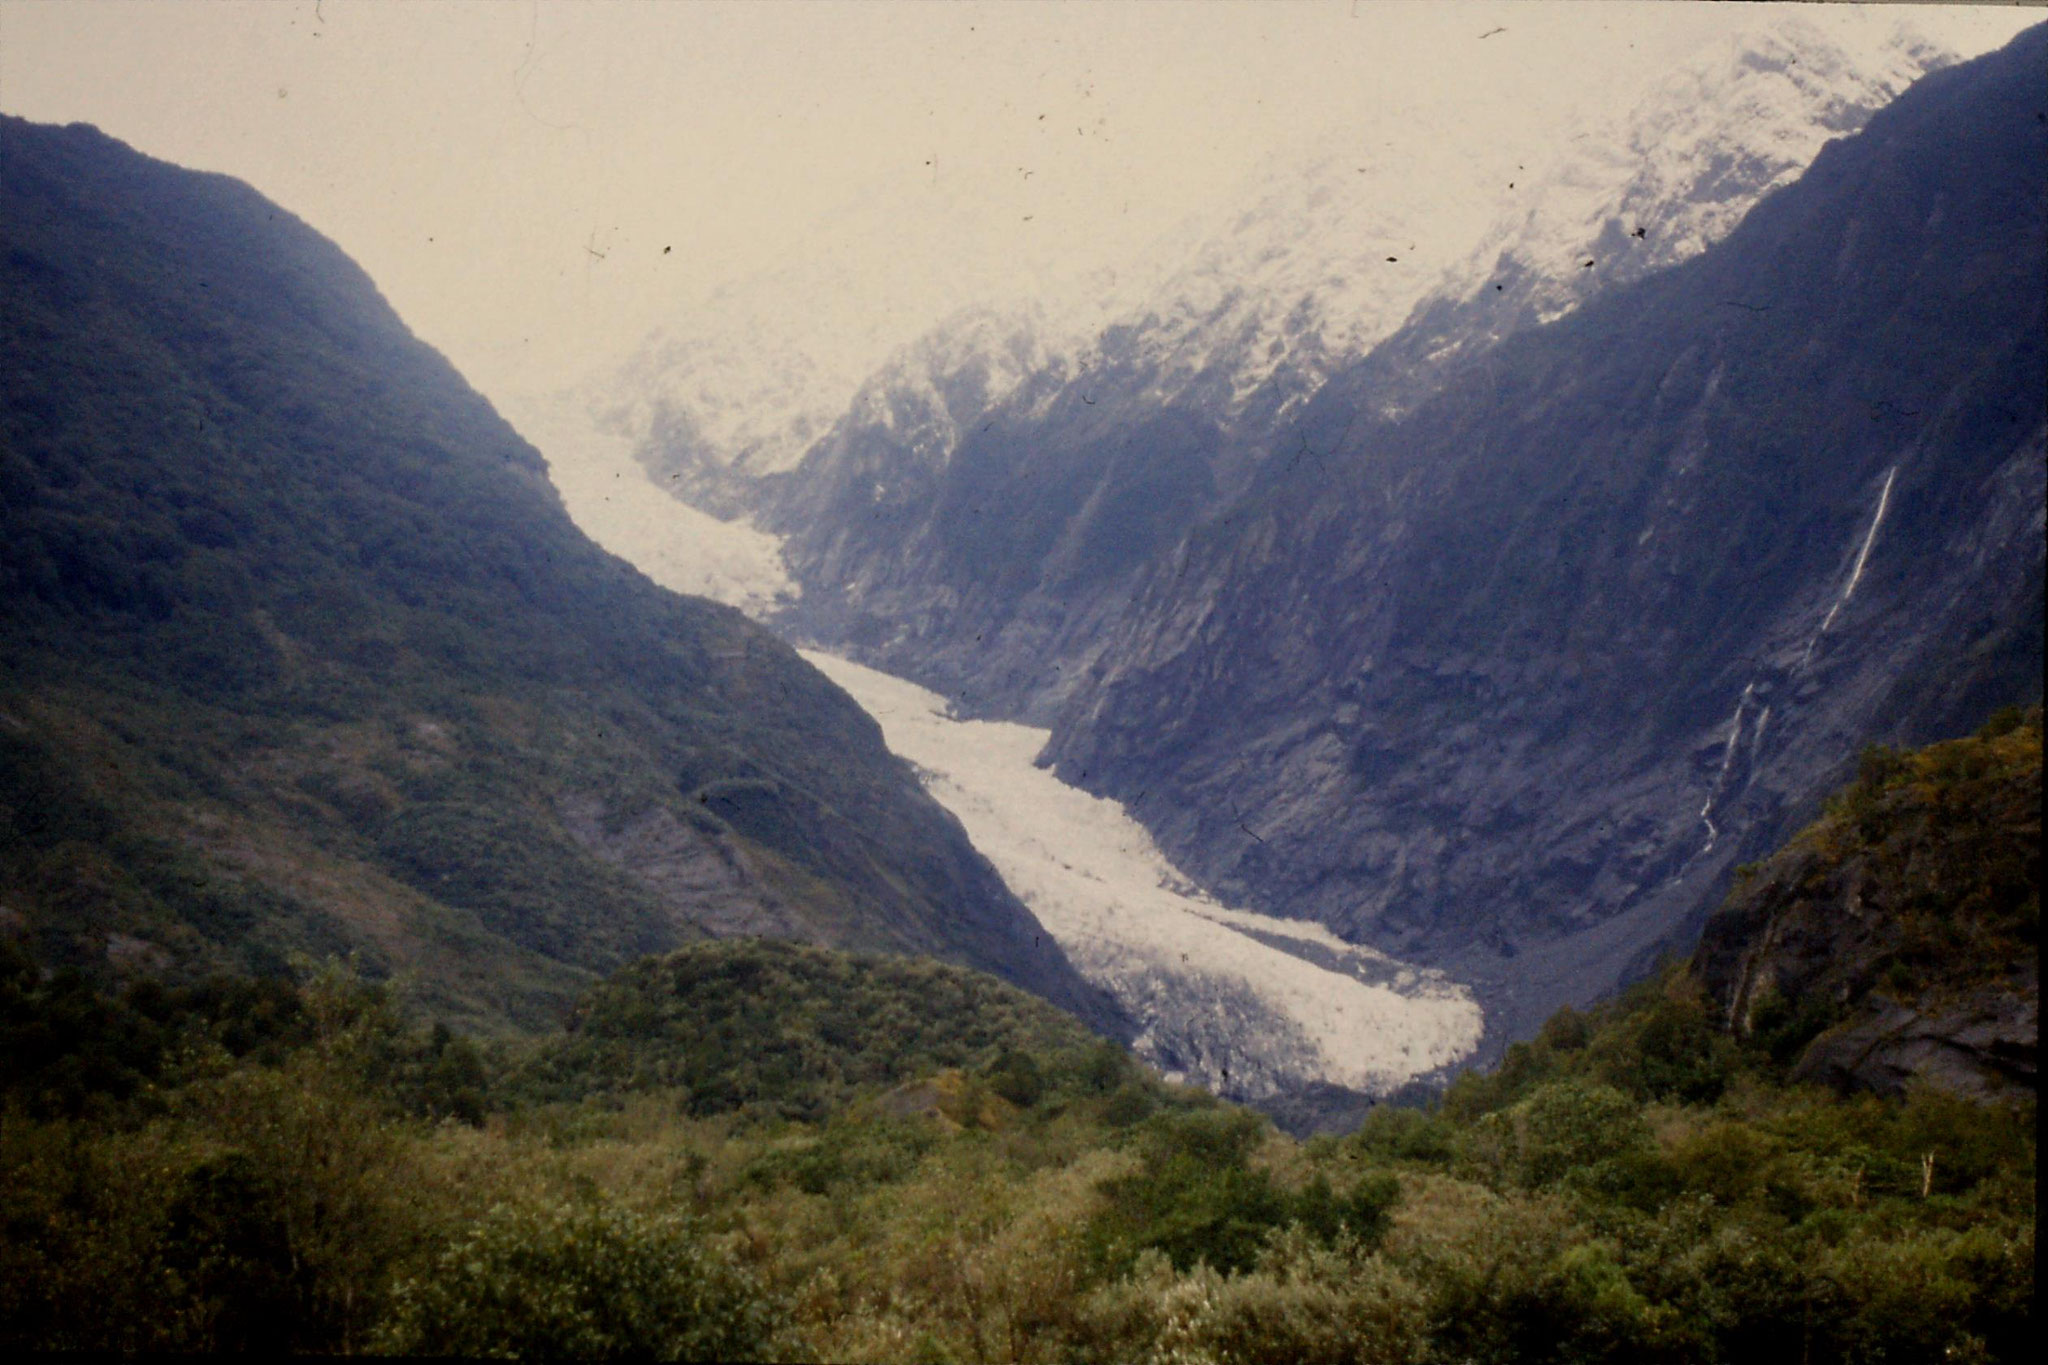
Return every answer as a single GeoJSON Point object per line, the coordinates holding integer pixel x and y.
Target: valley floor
{"type": "Point", "coordinates": [1246, 1005]}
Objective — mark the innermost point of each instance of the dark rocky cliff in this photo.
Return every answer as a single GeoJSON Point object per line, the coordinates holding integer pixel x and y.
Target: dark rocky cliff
{"type": "Point", "coordinates": [1510, 684]}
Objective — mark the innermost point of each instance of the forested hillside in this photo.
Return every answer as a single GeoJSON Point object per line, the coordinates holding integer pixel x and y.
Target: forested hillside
{"type": "Point", "coordinates": [299, 652]}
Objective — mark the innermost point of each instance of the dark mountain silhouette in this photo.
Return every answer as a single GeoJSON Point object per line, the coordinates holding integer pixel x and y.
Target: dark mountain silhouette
{"type": "Point", "coordinates": [299, 651]}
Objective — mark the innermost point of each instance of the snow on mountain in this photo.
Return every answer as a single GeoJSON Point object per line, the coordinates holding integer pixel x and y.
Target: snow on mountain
{"type": "Point", "coordinates": [754, 376]}
{"type": "Point", "coordinates": [1243, 1004]}
{"type": "Point", "coordinates": [747, 379]}
{"type": "Point", "coordinates": [1318, 259]}
{"type": "Point", "coordinates": [1332, 253]}
{"type": "Point", "coordinates": [1661, 183]}
{"type": "Point", "coordinates": [977, 358]}
{"type": "Point", "coordinates": [1243, 312]}
{"type": "Point", "coordinates": [994, 484]}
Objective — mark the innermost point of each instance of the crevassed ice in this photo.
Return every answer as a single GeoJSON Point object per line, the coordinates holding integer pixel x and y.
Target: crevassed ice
{"type": "Point", "coordinates": [1244, 1003]}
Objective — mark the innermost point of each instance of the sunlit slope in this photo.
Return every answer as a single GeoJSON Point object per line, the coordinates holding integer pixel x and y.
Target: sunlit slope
{"type": "Point", "coordinates": [300, 651]}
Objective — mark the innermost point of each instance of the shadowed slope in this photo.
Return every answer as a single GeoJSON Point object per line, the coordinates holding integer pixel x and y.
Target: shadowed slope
{"type": "Point", "coordinates": [299, 650]}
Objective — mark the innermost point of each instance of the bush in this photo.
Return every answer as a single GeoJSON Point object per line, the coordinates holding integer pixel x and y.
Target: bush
{"type": "Point", "coordinates": [1306, 1309]}
{"type": "Point", "coordinates": [1569, 1126]}
{"type": "Point", "coordinates": [581, 1282]}
{"type": "Point", "coordinates": [858, 1153]}
{"type": "Point", "coordinates": [1196, 1198]}
{"type": "Point", "coordinates": [1394, 1134]}
{"type": "Point", "coordinates": [228, 1246]}
{"type": "Point", "coordinates": [1670, 1051]}
{"type": "Point", "coordinates": [1016, 1077]}
{"type": "Point", "coordinates": [1363, 1214]}
{"type": "Point", "coordinates": [1918, 1298]}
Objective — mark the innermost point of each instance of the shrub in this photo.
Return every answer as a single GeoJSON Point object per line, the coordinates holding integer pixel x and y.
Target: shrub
{"type": "Point", "coordinates": [1016, 1077]}
{"type": "Point", "coordinates": [1781, 1029]}
{"type": "Point", "coordinates": [581, 1282]}
{"type": "Point", "coordinates": [1395, 1134]}
{"type": "Point", "coordinates": [846, 1152]}
{"type": "Point", "coordinates": [1912, 1298]}
{"type": "Point", "coordinates": [228, 1247]}
{"type": "Point", "coordinates": [1307, 1309]}
{"type": "Point", "coordinates": [1568, 1126]}
{"type": "Point", "coordinates": [1363, 1213]}
{"type": "Point", "coordinates": [1196, 1198]}
{"type": "Point", "coordinates": [1667, 1047]}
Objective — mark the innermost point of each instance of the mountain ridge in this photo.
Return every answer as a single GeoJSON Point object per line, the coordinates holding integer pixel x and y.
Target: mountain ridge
{"type": "Point", "coordinates": [1197, 389]}
{"type": "Point", "coordinates": [1508, 572]}
{"type": "Point", "coordinates": [302, 652]}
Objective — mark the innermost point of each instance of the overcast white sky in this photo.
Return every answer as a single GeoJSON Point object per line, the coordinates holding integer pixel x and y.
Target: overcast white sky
{"type": "Point", "coordinates": [534, 186]}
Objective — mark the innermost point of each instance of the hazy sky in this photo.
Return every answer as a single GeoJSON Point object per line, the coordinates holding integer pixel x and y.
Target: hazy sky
{"type": "Point", "coordinates": [533, 186]}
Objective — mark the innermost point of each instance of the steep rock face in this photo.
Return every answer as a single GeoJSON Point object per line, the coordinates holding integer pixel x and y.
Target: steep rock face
{"type": "Point", "coordinates": [300, 652]}
{"type": "Point", "coordinates": [976, 549]}
{"type": "Point", "coordinates": [1984, 1045]}
{"type": "Point", "coordinates": [980, 553]}
{"type": "Point", "coordinates": [1904, 925]}
{"type": "Point", "coordinates": [1510, 682]}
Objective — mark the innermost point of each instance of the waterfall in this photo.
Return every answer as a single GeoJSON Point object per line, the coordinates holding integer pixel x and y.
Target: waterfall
{"type": "Point", "coordinates": [1756, 740]}
{"type": "Point", "coordinates": [1727, 762]}
{"type": "Point", "coordinates": [1884, 498]}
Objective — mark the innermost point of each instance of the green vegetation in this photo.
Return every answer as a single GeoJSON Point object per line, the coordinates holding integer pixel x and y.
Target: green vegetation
{"type": "Point", "coordinates": [1950, 835]}
{"type": "Point", "coordinates": [1914, 899]}
{"type": "Point", "coordinates": [580, 1282]}
{"type": "Point", "coordinates": [760, 1150]}
{"type": "Point", "coordinates": [788, 1031]}
{"type": "Point", "coordinates": [301, 655]}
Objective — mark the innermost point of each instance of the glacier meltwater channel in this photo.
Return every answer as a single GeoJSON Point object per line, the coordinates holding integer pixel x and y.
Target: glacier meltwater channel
{"type": "Point", "coordinates": [1247, 1005]}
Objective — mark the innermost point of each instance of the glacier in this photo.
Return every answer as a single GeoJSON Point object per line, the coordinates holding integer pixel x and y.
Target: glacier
{"type": "Point", "coordinates": [613, 501]}
{"type": "Point", "coordinates": [1246, 1005]}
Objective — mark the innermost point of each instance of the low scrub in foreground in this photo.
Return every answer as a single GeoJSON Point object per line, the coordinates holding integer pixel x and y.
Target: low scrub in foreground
{"type": "Point", "coordinates": [763, 1150]}
{"type": "Point", "coordinates": [277, 1167]}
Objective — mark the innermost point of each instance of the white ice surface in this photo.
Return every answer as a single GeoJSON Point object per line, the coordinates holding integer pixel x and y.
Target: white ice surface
{"type": "Point", "coordinates": [1218, 1004]}
{"type": "Point", "coordinates": [610, 497]}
